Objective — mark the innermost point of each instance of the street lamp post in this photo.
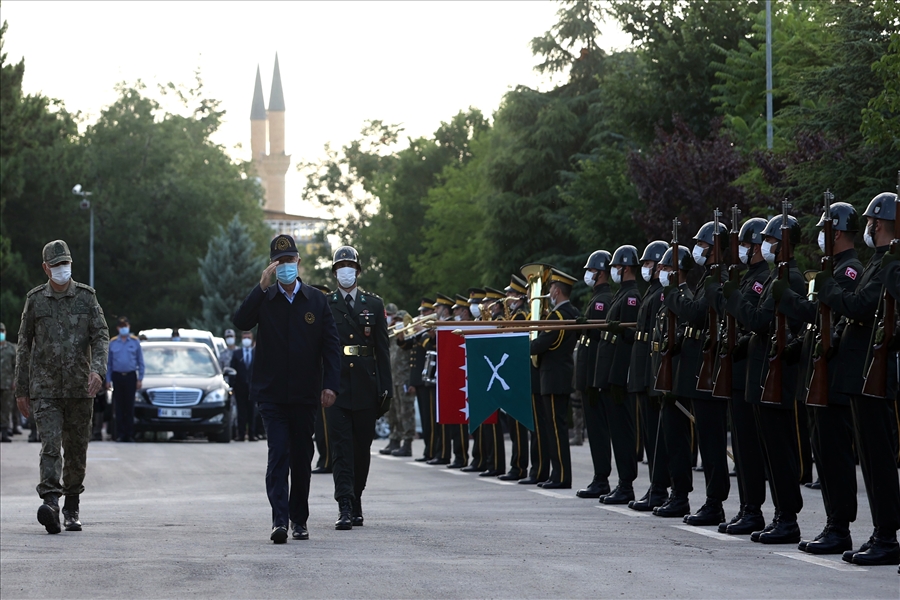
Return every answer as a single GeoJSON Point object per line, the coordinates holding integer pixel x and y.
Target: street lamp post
{"type": "Point", "coordinates": [86, 204]}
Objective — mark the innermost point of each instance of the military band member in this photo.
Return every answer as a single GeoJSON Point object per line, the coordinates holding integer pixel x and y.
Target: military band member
{"type": "Point", "coordinates": [493, 444]}
{"type": "Point", "coordinates": [454, 437]}
{"type": "Point", "coordinates": [418, 343]}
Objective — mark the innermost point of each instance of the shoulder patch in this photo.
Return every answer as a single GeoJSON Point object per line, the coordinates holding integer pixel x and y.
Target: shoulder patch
{"type": "Point", "coordinates": [369, 294]}
{"type": "Point", "coordinates": [757, 287]}
{"type": "Point", "coordinates": [599, 306]}
{"type": "Point", "coordinates": [851, 273]}
{"type": "Point", "coordinates": [662, 296]}
{"type": "Point", "coordinates": [134, 337]}
{"type": "Point", "coordinates": [36, 290]}
{"type": "Point", "coordinates": [334, 297]}
{"type": "Point", "coordinates": [632, 301]}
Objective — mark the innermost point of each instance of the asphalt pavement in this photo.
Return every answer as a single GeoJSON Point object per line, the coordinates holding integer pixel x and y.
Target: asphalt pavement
{"type": "Point", "coordinates": [191, 519]}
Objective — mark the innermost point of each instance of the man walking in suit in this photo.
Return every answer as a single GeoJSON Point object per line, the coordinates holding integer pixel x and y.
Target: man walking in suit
{"type": "Point", "coordinates": [242, 363]}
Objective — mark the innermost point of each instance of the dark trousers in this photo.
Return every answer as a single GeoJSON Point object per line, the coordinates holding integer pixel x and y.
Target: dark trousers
{"type": "Point", "coordinates": [430, 430]}
{"type": "Point", "coordinates": [246, 413]}
{"type": "Point", "coordinates": [479, 449]}
{"type": "Point", "coordinates": [877, 460]}
{"type": "Point", "coordinates": [124, 387]}
{"type": "Point", "coordinates": [654, 441]}
{"type": "Point", "coordinates": [778, 431]}
{"type": "Point", "coordinates": [455, 439]}
{"type": "Point", "coordinates": [289, 429]}
{"type": "Point", "coordinates": [518, 435]}
{"type": "Point", "coordinates": [832, 443]}
{"type": "Point", "coordinates": [748, 452]}
{"type": "Point", "coordinates": [676, 427]}
{"type": "Point", "coordinates": [556, 413]}
{"type": "Point", "coordinates": [620, 409]}
{"type": "Point", "coordinates": [493, 446]}
{"type": "Point", "coordinates": [597, 426]}
{"type": "Point", "coordinates": [351, 433]}
{"type": "Point", "coordinates": [538, 443]}
{"type": "Point", "coordinates": [712, 436]}
{"type": "Point", "coordinates": [804, 441]}
{"type": "Point", "coordinates": [322, 442]}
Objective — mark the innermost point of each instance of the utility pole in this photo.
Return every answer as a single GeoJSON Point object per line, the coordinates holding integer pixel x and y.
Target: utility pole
{"type": "Point", "coordinates": [769, 74]}
{"type": "Point", "coordinates": [86, 204]}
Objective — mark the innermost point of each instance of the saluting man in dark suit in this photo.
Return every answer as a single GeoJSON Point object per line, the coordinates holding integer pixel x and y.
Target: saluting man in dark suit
{"type": "Point", "coordinates": [365, 385]}
{"type": "Point", "coordinates": [296, 369]}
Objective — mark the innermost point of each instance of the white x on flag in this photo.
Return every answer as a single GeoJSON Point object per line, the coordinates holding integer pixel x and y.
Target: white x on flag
{"type": "Point", "coordinates": [495, 374]}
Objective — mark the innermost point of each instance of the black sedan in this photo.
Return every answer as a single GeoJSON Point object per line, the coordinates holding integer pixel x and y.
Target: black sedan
{"type": "Point", "coordinates": [184, 391]}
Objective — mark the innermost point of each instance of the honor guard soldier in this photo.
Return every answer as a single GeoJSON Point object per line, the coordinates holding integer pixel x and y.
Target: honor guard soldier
{"type": "Point", "coordinates": [777, 422]}
{"type": "Point", "coordinates": [611, 373]}
{"type": "Point", "coordinates": [323, 448]}
{"type": "Point", "coordinates": [8, 412]}
{"type": "Point", "coordinates": [365, 388]}
{"type": "Point", "coordinates": [60, 366]}
{"type": "Point", "coordinates": [872, 415]}
{"type": "Point", "coordinates": [640, 380]}
{"type": "Point", "coordinates": [596, 277]}
{"type": "Point", "coordinates": [554, 352]}
{"type": "Point", "coordinates": [416, 343]}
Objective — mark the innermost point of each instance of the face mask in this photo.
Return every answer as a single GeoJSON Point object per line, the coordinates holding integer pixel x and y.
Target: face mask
{"type": "Point", "coordinates": [229, 341]}
{"type": "Point", "coordinates": [767, 252]}
{"type": "Point", "coordinates": [286, 273]}
{"type": "Point", "coordinates": [552, 301]}
{"type": "Point", "coordinates": [589, 278]}
{"type": "Point", "coordinates": [457, 318]}
{"type": "Point", "coordinates": [2, 336]}
{"type": "Point", "coordinates": [246, 342]}
{"type": "Point", "coordinates": [697, 253]}
{"type": "Point", "coordinates": [744, 254]}
{"type": "Point", "coordinates": [664, 278]}
{"type": "Point", "coordinates": [646, 273]}
{"type": "Point", "coordinates": [475, 310]}
{"type": "Point", "coordinates": [822, 241]}
{"type": "Point", "coordinates": [63, 273]}
{"type": "Point", "coordinates": [869, 236]}
{"type": "Point", "coordinates": [616, 275]}
{"type": "Point", "coordinates": [346, 276]}
{"type": "Point", "coordinates": [123, 331]}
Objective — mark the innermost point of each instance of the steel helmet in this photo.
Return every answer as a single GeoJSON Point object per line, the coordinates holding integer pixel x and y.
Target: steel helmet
{"type": "Point", "coordinates": [346, 253]}
{"type": "Point", "coordinates": [654, 251]}
{"type": "Point", "coordinates": [843, 216]}
{"type": "Point", "coordinates": [883, 206]}
{"type": "Point", "coordinates": [751, 231]}
{"type": "Point", "coordinates": [685, 260]}
{"type": "Point", "coordinates": [599, 260]}
{"type": "Point", "coordinates": [625, 256]}
{"type": "Point", "coordinates": [773, 229]}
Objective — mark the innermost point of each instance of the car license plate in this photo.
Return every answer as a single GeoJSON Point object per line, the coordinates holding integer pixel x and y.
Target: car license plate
{"type": "Point", "coordinates": [175, 413]}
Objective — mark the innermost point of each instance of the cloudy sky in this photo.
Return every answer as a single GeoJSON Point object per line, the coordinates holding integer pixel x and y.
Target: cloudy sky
{"type": "Point", "coordinates": [341, 62]}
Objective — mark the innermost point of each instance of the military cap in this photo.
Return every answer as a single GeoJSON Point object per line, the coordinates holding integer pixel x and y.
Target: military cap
{"type": "Point", "coordinates": [322, 288]}
{"type": "Point", "coordinates": [476, 295]}
{"type": "Point", "coordinates": [123, 320]}
{"type": "Point", "coordinates": [390, 308]}
{"type": "Point", "coordinates": [56, 252]}
{"type": "Point", "coordinates": [426, 304]}
{"type": "Point", "coordinates": [493, 293]}
{"type": "Point", "coordinates": [282, 245]}
{"type": "Point", "coordinates": [229, 332]}
{"type": "Point", "coordinates": [461, 301]}
{"type": "Point", "coordinates": [517, 284]}
{"type": "Point", "coordinates": [445, 300]}
{"type": "Point", "coordinates": [557, 276]}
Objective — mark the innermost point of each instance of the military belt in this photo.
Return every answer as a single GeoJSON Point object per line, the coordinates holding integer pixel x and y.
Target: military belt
{"type": "Point", "coordinates": [608, 336]}
{"type": "Point", "coordinates": [656, 346]}
{"type": "Point", "coordinates": [695, 333]}
{"type": "Point", "coordinates": [642, 336]}
{"type": "Point", "coordinates": [857, 323]}
{"type": "Point", "coordinates": [359, 351]}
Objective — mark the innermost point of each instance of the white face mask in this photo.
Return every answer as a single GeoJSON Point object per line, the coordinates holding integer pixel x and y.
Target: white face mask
{"type": "Point", "coordinates": [457, 318]}
{"type": "Point", "coordinates": [744, 254]}
{"type": "Point", "coordinates": [870, 241]}
{"type": "Point", "coordinates": [822, 241]}
{"type": "Point", "coordinates": [646, 273]}
{"type": "Point", "coordinates": [246, 342]}
{"type": "Point", "coordinates": [767, 252]}
{"type": "Point", "coordinates": [589, 278]}
{"type": "Point", "coordinates": [475, 310]}
{"type": "Point", "coordinates": [697, 253]}
{"type": "Point", "coordinates": [664, 278]}
{"type": "Point", "coordinates": [63, 273]}
{"type": "Point", "coordinates": [616, 275]}
{"type": "Point", "coordinates": [346, 277]}
{"type": "Point", "coordinates": [229, 341]}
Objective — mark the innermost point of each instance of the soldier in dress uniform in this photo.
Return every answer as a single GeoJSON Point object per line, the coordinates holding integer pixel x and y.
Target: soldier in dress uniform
{"type": "Point", "coordinates": [554, 352]}
{"type": "Point", "coordinates": [416, 343]}
{"type": "Point", "coordinates": [8, 413]}
{"type": "Point", "coordinates": [60, 366]}
{"type": "Point", "coordinates": [365, 388]}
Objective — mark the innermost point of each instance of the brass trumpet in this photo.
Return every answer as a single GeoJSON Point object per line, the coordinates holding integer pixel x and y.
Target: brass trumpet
{"type": "Point", "coordinates": [420, 320]}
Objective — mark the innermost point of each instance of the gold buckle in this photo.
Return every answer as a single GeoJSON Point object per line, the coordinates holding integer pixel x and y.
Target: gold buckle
{"type": "Point", "coordinates": [351, 350]}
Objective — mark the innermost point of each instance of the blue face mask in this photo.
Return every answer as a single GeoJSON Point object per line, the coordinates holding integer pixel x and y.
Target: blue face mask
{"type": "Point", "coordinates": [286, 273]}
{"type": "Point", "coordinates": [123, 331]}
{"type": "Point", "coordinates": [2, 336]}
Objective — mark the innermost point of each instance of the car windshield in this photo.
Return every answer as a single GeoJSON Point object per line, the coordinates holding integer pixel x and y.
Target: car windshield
{"type": "Point", "coordinates": [172, 361]}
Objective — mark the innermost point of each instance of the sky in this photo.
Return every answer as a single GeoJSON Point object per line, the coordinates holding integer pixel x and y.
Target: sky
{"type": "Point", "coordinates": [342, 63]}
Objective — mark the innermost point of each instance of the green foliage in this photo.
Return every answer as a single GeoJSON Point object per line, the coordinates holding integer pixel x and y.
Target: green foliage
{"type": "Point", "coordinates": [881, 118]}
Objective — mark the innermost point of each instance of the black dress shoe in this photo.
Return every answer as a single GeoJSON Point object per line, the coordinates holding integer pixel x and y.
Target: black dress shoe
{"type": "Point", "coordinates": [594, 490]}
{"type": "Point", "coordinates": [786, 531]}
{"type": "Point", "coordinates": [618, 496]}
{"type": "Point", "coordinates": [511, 476]}
{"type": "Point", "coordinates": [754, 536]}
{"type": "Point", "coordinates": [456, 465]}
{"type": "Point", "coordinates": [474, 469]}
{"type": "Point", "coordinates": [675, 506]}
{"type": "Point", "coordinates": [833, 540]}
{"type": "Point", "coordinates": [70, 514]}
{"type": "Point", "coordinates": [848, 555]}
{"type": "Point", "coordinates": [710, 513]}
{"type": "Point", "coordinates": [531, 481]}
{"type": "Point", "coordinates": [491, 473]}
{"type": "Point", "coordinates": [279, 534]}
{"type": "Point", "coordinates": [299, 531]}
{"type": "Point", "coordinates": [438, 461]}
{"type": "Point", "coordinates": [650, 501]}
{"type": "Point", "coordinates": [814, 485]}
{"type": "Point", "coordinates": [422, 459]}
{"type": "Point", "coordinates": [556, 485]}
{"type": "Point", "coordinates": [828, 524]}
{"type": "Point", "coordinates": [344, 521]}
{"type": "Point", "coordinates": [356, 515]}
{"type": "Point", "coordinates": [884, 550]}
{"type": "Point", "coordinates": [252, 438]}
{"type": "Point", "coordinates": [751, 520]}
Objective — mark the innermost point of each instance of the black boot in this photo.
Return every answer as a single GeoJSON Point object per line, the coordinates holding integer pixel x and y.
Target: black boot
{"type": "Point", "coordinates": [786, 531]}
{"type": "Point", "coordinates": [70, 514]}
{"type": "Point", "coordinates": [883, 550]}
{"type": "Point", "coordinates": [345, 508]}
{"type": "Point", "coordinates": [4, 437]}
{"type": "Point", "coordinates": [404, 450]}
{"type": "Point", "coordinates": [356, 516]}
{"type": "Point", "coordinates": [710, 513]}
{"type": "Point", "coordinates": [751, 520]}
{"type": "Point", "coordinates": [848, 555]}
{"type": "Point", "coordinates": [48, 513]}
{"type": "Point", "coordinates": [594, 490]}
{"type": "Point", "coordinates": [620, 495]}
{"type": "Point", "coordinates": [392, 445]}
{"type": "Point", "coordinates": [834, 539]}
{"type": "Point", "coordinates": [723, 527]}
{"type": "Point", "coordinates": [653, 498]}
{"type": "Point", "coordinates": [754, 537]}
{"type": "Point", "coordinates": [676, 506]}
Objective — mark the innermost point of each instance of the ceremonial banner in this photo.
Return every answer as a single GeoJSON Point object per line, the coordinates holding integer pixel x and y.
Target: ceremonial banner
{"type": "Point", "coordinates": [452, 403]}
{"type": "Point", "coordinates": [499, 376]}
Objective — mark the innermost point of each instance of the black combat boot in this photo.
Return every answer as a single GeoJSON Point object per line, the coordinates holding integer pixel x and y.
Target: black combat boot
{"type": "Point", "coordinates": [620, 495]}
{"type": "Point", "coordinates": [70, 514]}
{"type": "Point", "coordinates": [4, 437]}
{"type": "Point", "coordinates": [404, 450]}
{"type": "Point", "coordinates": [356, 516]}
{"type": "Point", "coordinates": [751, 520]}
{"type": "Point", "coordinates": [48, 513]}
{"type": "Point", "coordinates": [834, 539]}
{"type": "Point", "coordinates": [392, 445]}
{"type": "Point", "coordinates": [345, 508]}
{"type": "Point", "coordinates": [848, 555]}
{"type": "Point", "coordinates": [676, 506]}
{"type": "Point", "coordinates": [883, 550]}
{"type": "Point", "coordinates": [653, 498]}
{"type": "Point", "coordinates": [723, 527]}
{"type": "Point", "coordinates": [754, 537]}
{"type": "Point", "coordinates": [710, 513]}
{"type": "Point", "coordinates": [786, 531]}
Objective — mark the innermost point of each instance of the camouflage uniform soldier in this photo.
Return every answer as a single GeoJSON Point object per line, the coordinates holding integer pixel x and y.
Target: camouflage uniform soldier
{"type": "Point", "coordinates": [401, 415]}
{"type": "Point", "coordinates": [7, 384]}
{"type": "Point", "coordinates": [61, 365]}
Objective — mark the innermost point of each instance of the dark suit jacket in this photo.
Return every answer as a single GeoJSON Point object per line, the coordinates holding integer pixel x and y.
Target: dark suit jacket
{"type": "Point", "coordinates": [297, 350]}
{"type": "Point", "coordinates": [244, 372]}
{"type": "Point", "coordinates": [640, 373]}
{"type": "Point", "coordinates": [554, 349]}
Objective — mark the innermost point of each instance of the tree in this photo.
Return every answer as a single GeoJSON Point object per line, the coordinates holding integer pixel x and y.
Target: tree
{"type": "Point", "coordinates": [231, 267]}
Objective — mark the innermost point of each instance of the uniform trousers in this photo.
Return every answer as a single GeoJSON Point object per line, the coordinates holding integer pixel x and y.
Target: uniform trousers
{"type": "Point", "coordinates": [430, 431]}
{"type": "Point", "coordinates": [804, 427]}
{"type": "Point", "coordinates": [246, 413]}
{"type": "Point", "coordinates": [832, 443]}
{"type": "Point", "coordinates": [8, 413]}
{"type": "Point", "coordinates": [289, 429]}
{"type": "Point", "coordinates": [556, 413]}
{"type": "Point", "coordinates": [877, 460]}
{"type": "Point", "coordinates": [479, 449]}
{"type": "Point", "coordinates": [351, 433]}
{"type": "Point", "coordinates": [323, 444]}
{"type": "Point", "coordinates": [621, 419]}
{"type": "Point", "coordinates": [124, 388]}
{"type": "Point", "coordinates": [64, 425]}
{"type": "Point", "coordinates": [597, 425]}
{"type": "Point", "coordinates": [455, 441]}
{"type": "Point", "coordinates": [676, 427]}
{"type": "Point", "coordinates": [712, 436]}
{"type": "Point", "coordinates": [518, 435]}
{"type": "Point", "coordinates": [654, 441]}
{"type": "Point", "coordinates": [539, 442]}
{"type": "Point", "coordinates": [493, 447]}
{"type": "Point", "coordinates": [778, 432]}
{"type": "Point", "coordinates": [748, 452]}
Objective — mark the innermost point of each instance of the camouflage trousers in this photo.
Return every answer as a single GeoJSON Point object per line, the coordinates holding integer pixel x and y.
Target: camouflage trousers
{"type": "Point", "coordinates": [8, 409]}
{"type": "Point", "coordinates": [402, 415]}
{"type": "Point", "coordinates": [64, 425]}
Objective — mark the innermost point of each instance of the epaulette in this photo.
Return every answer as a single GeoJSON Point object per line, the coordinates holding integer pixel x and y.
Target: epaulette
{"type": "Point", "coordinates": [86, 287]}
{"type": "Point", "coordinates": [36, 290]}
{"type": "Point", "coordinates": [370, 294]}
{"type": "Point", "coordinates": [134, 337]}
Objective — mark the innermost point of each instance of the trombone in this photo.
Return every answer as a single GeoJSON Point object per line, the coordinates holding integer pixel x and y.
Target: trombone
{"type": "Point", "coordinates": [537, 275]}
{"type": "Point", "coordinates": [420, 320]}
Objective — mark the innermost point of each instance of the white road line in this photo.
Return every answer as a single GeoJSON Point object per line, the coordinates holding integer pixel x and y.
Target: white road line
{"type": "Point", "coordinates": [386, 457]}
{"type": "Point", "coordinates": [550, 494]}
{"type": "Point", "coordinates": [419, 464]}
{"type": "Point", "coordinates": [92, 458]}
{"type": "Point", "coordinates": [453, 472]}
{"type": "Point", "coordinates": [713, 534]}
{"type": "Point", "coordinates": [497, 481]}
{"type": "Point", "coordinates": [626, 511]}
{"type": "Point", "coordinates": [837, 565]}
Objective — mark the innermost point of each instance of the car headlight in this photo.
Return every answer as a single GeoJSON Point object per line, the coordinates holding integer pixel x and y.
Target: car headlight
{"type": "Point", "coordinates": [138, 397]}
{"type": "Point", "coordinates": [215, 396]}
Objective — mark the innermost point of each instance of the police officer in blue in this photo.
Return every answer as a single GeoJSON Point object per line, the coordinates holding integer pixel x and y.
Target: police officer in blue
{"type": "Point", "coordinates": [125, 371]}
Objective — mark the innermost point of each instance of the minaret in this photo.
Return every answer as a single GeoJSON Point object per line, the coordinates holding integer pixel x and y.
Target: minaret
{"type": "Point", "coordinates": [277, 162]}
{"type": "Point", "coordinates": [258, 129]}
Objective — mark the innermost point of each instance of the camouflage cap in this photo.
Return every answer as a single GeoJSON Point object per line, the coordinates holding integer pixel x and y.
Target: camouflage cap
{"type": "Point", "coordinates": [2, 327]}
{"type": "Point", "coordinates": [391, 309]}
{"type": "Point", "coordinates": [56, 252]}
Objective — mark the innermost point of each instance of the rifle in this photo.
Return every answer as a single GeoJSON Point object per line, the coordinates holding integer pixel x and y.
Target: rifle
{"type": "Point", "coordinates": [817, 394]}
{"type": "Point", "coordinates": [664, 373]}
{"type": "Point", "coordinates": [772, 391]}
{"type": "Point", "coordinates": [711, 348]}
{"type": "Point", "coordinates": [722, 387]}
{"type": "Point", "coordinates": [876, 378]}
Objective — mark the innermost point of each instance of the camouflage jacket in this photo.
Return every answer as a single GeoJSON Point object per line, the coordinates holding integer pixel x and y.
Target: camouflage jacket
{"type": "Point", "coordinates": [62, 339]}
{"type": "Point", "coordinates": [7, 365]}
{"type": "Point", "coordinates": [399, 364]}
